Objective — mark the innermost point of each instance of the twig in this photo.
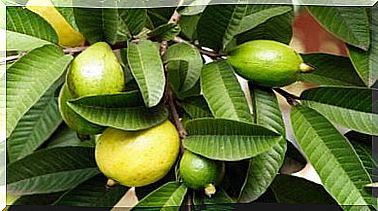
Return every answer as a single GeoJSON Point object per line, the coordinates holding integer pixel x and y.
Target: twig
{"type": "Point", "coordinates": [176, 118]}
{"type": "Point", "coordinates": [190, 202]}
{"type": "Point", "coordinates": [211, 54]}
{"type": "Point", "coordinates": [290, 98]}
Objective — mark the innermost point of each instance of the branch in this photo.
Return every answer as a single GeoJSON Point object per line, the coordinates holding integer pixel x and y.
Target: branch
{"type": "Point", "coordinates": [290, 98]}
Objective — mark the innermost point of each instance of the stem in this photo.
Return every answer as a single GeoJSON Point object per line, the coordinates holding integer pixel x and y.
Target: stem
{"type": "Point", "coordinates": [190, 202]}
{"type": "Point", "coordinates": [170, 100]}
{"type": "Point", "coordinates": [290, 98]}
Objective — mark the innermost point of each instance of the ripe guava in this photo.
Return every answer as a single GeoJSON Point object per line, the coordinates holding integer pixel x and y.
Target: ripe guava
{"type": "Point", "coordinates": [267, 63]}
{"type": "Point", "coordinates": [200, 173]}
{"type": "Point", "coordinates": [72, 119]}
{"type": "Point", "coordinates": [67, 35]}
{"type": "Point", "coordinates": [137, 158]}
{"type": "Point", "coordinates": [95, 71]}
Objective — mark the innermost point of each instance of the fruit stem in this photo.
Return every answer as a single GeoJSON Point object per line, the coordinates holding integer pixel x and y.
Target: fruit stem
{"type": "Point", "coordinates": [210, 190]}
{"type": "Point", "coordinates": [306, 68]}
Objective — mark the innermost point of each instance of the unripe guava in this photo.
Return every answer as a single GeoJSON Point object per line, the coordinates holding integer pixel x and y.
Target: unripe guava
{"type": "Point", "coordinates": [95, 71]}
{"type": "Point", "coordinates": [267, 63]}
{"type": "Point", "coordinates": [67, 35]}
{"type": "Point", "coordinates": [200, 173]}
{"type": "Point", "coordinates": [137, 158]}
{"type": "Point", "coordinates": [73, 120]}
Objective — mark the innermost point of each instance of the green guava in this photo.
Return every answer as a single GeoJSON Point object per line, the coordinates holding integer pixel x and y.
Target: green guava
{"type": "Point", "coordinates": [200, 173]}
{"type": "Point", "coordinates": [267, 63]}
{"type": "Point", "coordinates": [72, 119]}
{"type": "Point", "coordinates": [95, 71]}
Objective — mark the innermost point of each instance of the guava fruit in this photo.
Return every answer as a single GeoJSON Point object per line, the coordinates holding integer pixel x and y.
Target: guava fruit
{"type": "Point", "coordinates": [95, 71]}
{"type": "Point", "coordinates": [200, 173]}
{"type": "Point", "coordinates": [67, 35]}
{"type": "Point", "coordinates": [73, 120]}
{"type": "Point", "coordinates": [267, 63]}
{"type": "Point", "coordinates": [137, 158]}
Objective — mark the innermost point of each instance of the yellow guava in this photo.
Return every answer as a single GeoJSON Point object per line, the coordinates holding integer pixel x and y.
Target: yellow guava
{"type": "Point", "coordinates": [137, 158]}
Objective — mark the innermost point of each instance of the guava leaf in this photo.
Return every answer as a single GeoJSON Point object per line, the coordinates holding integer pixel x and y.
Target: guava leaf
{"type": "Point", "coordinates": [219, 201]}
{"type": "Point", "coordinates": [219, 24]}
{"type": "Point", "coordinates": [51, 170]}
{"type": "Point", "coordinates": [228, 140]}
{"type": "Point", "coordinates": [333, 157]}
{"type": "Point", "coordinates": [21, 42]}
{"type": "Point", "coordinates": [164, 32]}
{"type": "Point", "coordinates": [189, 26]}
{"type": "Point", "coordinates": [92, 193]}
{"type": "Point", "coordinates": [264, 167]}
{"type": "Point", "coordinates": [169, 196]}
{"type": "Point", "coordinates": [23, 23]}
{"type": "Point", "coordinates": [196, 107]}
{"type": "Point", "coordinates": [29, 78]}
{"type": "Point", "coordinates": [278, 28]}
{"type": "Point", "coordinates": [134, 18]}
{"type": "Point", "coordinates": [349, 107]}
{"type": "Point", "coordinates": [124, 111]}
{"type": "Point", "coordinates": [195, 7]}
{"type": "Point", "coordinates": [37, 199]}
{"type": "Point", "coordinates": [159, 16]}
{"type": "Point", "coordinates": [350, 24]}
{"type": "Point", "coordinates": [328, 69]}
{"type": "Point", "coordinates": [290, 190]}
{"type": "Point", "coordinates": [147, 68]}
{"type": "Point", "coordinates": [66, 137]}
{"type": "Point", "coordinates": [260, 14]}
{"type": "Point", "coordinates": [363, 144]}
{"type": "Point", "coordinates": [34, 128]}
{"type": "Point", "coordinates": [98, 24]}
{"type": "Point", "coordinates": [191, 55]}
{"type": "Point", "coordinates": [223, 93]}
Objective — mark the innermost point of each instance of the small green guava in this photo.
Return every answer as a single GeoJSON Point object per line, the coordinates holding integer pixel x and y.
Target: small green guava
{"type": "Point", "coordinates": [72, 119]}
{"type": "Point", "coordinates": [200, 173]}
{"type": "Point", "coordinates": [95, 71]}
{"type": "Point", "coordinates": [267, 63]}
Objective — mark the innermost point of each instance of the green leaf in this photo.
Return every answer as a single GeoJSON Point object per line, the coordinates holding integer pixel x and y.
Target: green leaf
{"type": "Point", "coordinates": [29, 78]}
{"type": "Point", "coordinates": [328, 69]}
{"type": "Point", "coordinates": [34, 128]}
{"type": "Point", "coordinates": [189, 26]}
{"type": "Point", "coordinates": [190, 54]}
{"type": "Point", "coordinates": [291, 189]}
{"type": "Point", "coordinates": [219, 201]}
{"type": "Point", "coordinates": [264, 167]}
{"type": "Point", "coordinates": [168, 196]}
{"type": "Point", "coordinates": [219, 24]}
{"type": "Point", "coordinates": [97, 24]}
{"type": "Point", "coordinates": [349, 107]}
{"type": "Point", "coordinates": [194, 8]}
{"type": "Point", "coordinates": [23, 21]}
{"type": "Point", "coordinates": [223, 93]}
{"type": "Point", "coordinates": [93, 193]}
{"type": "Point", "coordinates": [333, 157]}
{"type": "Point", "coordinates": [22, 42]}
{"type": "Point", "coordinates": [228, 140]}
{"type": "Point", "coordinates": [196, 107]}
{"type": "Point", "coordinates": [350, 24]}
{"type": "Point", "coordinates": [65, 137]}
{"type": "Point", "coordinates": [278, 28]}
{"type": "Point", "coordinates": [51, 170]}
{"type": "Point", "coordinates": [165, 32]}
{"type": "Point", "coordinates": [363, 144]}
{"type": "Point", "coordinates": [260, 16]}
{"type": "Point", "coordinates": [159, 16]}
{"type": "Point", "coordinates": [124, 111]}
{"type": "Point", "coordinates": [134, 18]}
{"type": "Point", "coordinates": [147, 68]}
{"type": "Point", "coordinates": [37, 199]}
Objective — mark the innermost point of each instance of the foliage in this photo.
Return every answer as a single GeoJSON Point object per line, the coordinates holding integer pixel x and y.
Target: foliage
{"type": "Point", "coordinates": [168, 77]}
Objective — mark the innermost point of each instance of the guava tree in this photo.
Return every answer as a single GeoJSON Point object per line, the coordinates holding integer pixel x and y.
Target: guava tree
{"type": "Point", "coordinates": [174, 71]}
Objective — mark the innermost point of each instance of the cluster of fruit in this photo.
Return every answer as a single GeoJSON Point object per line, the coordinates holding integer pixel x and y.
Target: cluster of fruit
{"type": "Point", "coordinates": [131, 158]}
